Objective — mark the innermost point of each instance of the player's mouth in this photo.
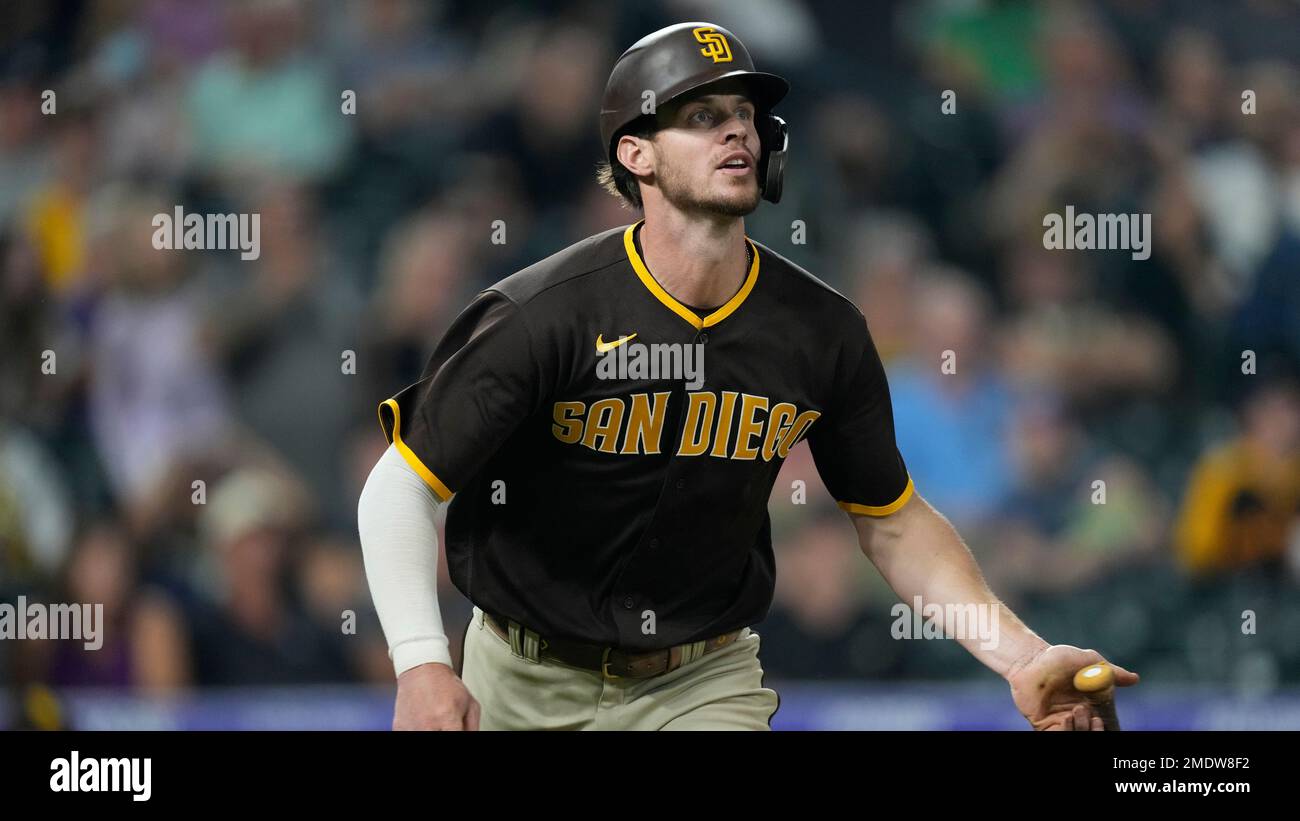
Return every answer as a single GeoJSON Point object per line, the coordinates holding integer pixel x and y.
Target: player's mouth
{"type": "Point", "coordinates": [737, 164]}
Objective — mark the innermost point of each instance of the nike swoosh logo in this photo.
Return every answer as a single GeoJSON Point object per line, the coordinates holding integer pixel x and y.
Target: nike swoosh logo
{"type": "Point", "coordinates": [602, 346]}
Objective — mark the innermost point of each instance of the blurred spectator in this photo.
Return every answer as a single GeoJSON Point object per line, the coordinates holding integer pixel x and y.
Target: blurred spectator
{"type": "Point", "coordinates": [336, 597]}
{"type": "Point", "coordinates": [994, 42]}
{"type": "Point", "coordinates": [1268, 322]}
{"type": "Point", "coordinates": [831, 616]}
{"type": "Point", "coordinates": [28, 329]}
{"type": "Point", "coordinates": [1073, 516]}
{"type": "Point", "coordinates": [886, 251]}
{"type": "Point", "coordinates": [36, 510]}
{"type": "Point", "coordinates": [25, 161]}
{"type": "Point", "coordinates": [420, 291]}
{"type": "Point", "coordinates": [266, 104]}
{"type": "Point", "coordinates": [142, 67]}
{"type": "Point", "coordinates": [1238, 184]}
{"type": "Point", "coordinates": [951, 406]}
{"type": "Point", "coordinates": [404, 68]}
{"type": "Point", "coordinates": [283, 337]}
{"type": "Point", "coordinates": [546, 129]}
{"type": "Point", "coordinates": [414, 101]}
{"type": "Point", "coordinates": [155, 398]}
{"type": "Point", "coordinates": [250, 628]}
{"type": "Point", "coordinates": [1194, 82]}
{"type": "Point", "coordinates": [1243, 499]}
{"type": "Point", "coordinates": [1063, 339]}
{"type": "Point", "coordinates": [55, 213]}
{"type": "Point", "coordinates": [144, 643]}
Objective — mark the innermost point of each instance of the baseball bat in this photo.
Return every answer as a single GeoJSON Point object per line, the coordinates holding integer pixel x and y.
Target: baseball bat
{"type": "Point", "coordinates": [1097, 682]}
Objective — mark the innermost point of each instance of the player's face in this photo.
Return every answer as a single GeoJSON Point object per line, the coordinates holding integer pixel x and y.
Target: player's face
{"type": "Point", "coordinates": [706, 156]}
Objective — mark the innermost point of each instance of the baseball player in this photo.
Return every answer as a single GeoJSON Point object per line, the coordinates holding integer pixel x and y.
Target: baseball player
{"type": "Point", "coordinates": [606, 426]}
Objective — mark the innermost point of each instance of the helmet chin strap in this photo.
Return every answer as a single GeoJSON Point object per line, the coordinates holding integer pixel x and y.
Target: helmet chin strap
{"type": "Point", "coordinates": [775, 139]}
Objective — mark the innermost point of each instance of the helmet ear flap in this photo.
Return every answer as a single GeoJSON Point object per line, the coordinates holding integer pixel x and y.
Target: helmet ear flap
{"type": "Point", "coordinates": [774, 137]}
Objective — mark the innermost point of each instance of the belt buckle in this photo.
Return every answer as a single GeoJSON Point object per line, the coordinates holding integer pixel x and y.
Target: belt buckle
{"type": "Point", "coordinates": [604, 665]}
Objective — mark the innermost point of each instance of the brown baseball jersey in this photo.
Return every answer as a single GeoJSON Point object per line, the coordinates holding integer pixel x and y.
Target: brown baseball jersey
{"type": "Point", "coordinates": [609, 452]}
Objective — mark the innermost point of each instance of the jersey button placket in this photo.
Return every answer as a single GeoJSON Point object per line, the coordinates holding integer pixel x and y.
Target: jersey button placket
{"type": "Point", "coordinates": [628, 603]}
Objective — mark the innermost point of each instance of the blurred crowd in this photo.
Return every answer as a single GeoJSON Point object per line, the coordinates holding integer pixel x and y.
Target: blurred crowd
{"type": "Point", "coordinates": [184, 434]}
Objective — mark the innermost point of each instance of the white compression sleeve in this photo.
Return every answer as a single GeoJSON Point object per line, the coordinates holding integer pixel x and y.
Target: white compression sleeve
{"type": "Point", "coordinates": [396, 518]}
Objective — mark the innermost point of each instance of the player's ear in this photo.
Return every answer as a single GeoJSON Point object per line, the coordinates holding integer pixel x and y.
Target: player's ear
{"type": "Point", "coordinates": [636, 154]}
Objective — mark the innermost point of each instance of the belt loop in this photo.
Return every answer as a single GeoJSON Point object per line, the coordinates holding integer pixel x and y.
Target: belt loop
{"type": "Point", "coordinates": [515, 644]}
{"type": "Point", "coordinates": [532, 647]}
{"type": "Point", "coordinates": [524, 643]}
{"type": "Point", "coordinates": [692, 651]}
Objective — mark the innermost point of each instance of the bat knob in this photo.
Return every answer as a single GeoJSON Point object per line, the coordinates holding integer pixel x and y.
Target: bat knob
{"type": "Point", "coordinates": [1096, 678]}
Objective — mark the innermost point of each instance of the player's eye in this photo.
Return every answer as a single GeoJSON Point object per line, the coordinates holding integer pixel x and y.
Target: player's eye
{"type": "Point", "coordinates": [701, 116]}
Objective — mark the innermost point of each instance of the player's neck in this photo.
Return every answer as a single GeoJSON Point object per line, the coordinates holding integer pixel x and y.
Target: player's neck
{"type": "Point", "coordinates": [699, 262]}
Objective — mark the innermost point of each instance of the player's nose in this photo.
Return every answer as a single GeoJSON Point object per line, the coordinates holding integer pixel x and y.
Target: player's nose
{"type": "Point", "coordinates": [733, 129]}
{"type": "Point", "coordinates": [736, 130]}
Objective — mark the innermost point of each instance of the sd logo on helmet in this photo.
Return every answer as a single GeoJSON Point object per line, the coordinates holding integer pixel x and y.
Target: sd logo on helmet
{"type": "Point", "coordinates": [684, 58]}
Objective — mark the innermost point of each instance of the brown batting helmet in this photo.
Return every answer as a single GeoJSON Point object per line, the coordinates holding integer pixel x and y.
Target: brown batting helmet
{"type": "Point", "coordinates": [683, 58]}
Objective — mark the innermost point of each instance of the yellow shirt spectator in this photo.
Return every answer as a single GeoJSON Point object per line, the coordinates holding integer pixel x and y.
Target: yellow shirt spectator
{"type": "Point", "coordinates": [1241, 503]}
{"type": "Point", "coordinates": [55, 223]}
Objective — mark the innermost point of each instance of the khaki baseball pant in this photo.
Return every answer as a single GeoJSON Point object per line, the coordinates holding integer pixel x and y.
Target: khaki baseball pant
{"type": "Point", "coordinates": [719, 691]}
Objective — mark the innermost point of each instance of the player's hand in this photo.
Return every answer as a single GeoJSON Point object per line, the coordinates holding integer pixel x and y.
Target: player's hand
{"type": "Point", "coordinates": [1043, 688]}
{"type": "Point", "coordinates": [432, 697]}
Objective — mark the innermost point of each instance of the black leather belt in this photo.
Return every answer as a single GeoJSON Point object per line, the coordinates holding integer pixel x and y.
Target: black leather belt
{"type": "Point", "coordinates": [611, 662]}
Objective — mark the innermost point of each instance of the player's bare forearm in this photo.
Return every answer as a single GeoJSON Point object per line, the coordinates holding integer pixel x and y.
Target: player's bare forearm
{"type": "Point", "coordinates": [920, 554]}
